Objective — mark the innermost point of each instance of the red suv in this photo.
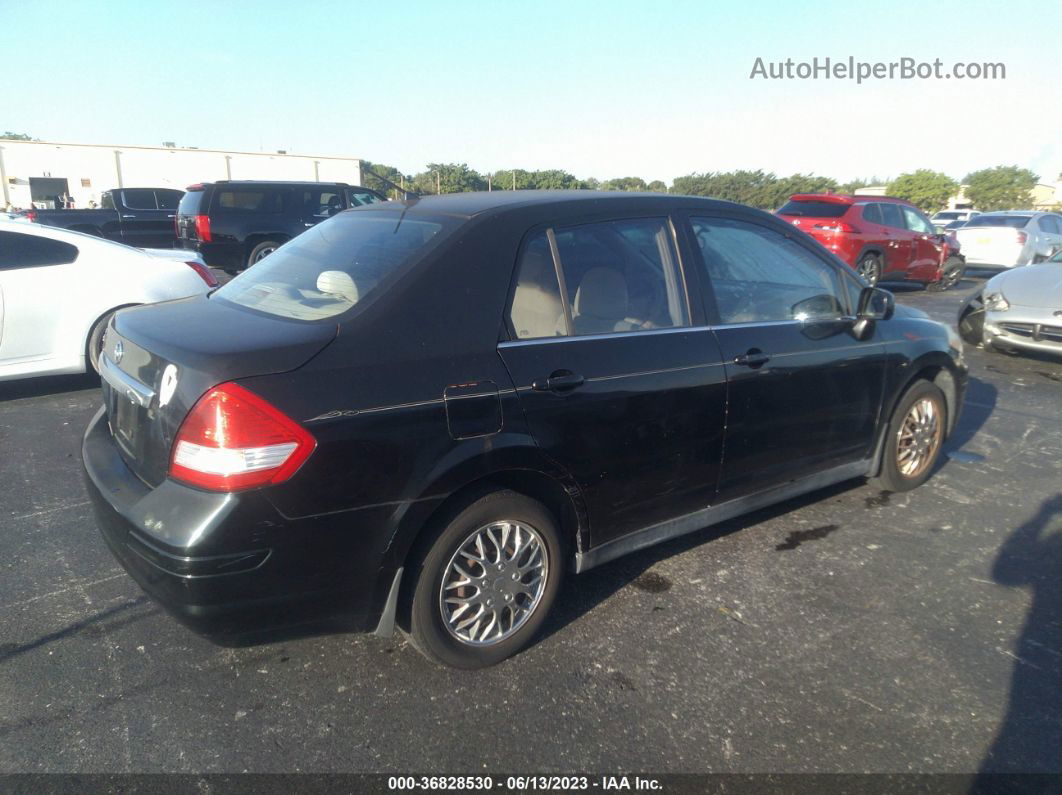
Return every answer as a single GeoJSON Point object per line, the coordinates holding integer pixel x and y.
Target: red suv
{"type": "Point", "coordinates": [882, 238]}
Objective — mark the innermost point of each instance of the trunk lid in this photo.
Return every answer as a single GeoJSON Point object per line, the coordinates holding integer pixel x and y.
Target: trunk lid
{"type": "Point", "coordinates": [159, 360]}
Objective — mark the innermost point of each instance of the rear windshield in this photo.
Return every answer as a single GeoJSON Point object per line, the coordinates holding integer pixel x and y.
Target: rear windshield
{"type": "Point", "coordinates": [813, 209]}
{"type": "Point", "coordinates": [190, 203]}
{"type": "Point", "coordinates": [947, 216]}
{"type": "Point", "coordinates": [335, 265]}
{"type": "Point", "coordinates": [1015, 221]}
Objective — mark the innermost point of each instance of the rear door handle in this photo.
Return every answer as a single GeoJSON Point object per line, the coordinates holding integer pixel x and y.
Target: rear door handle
{"type": "Point", "coordinates": [558, 381]}
{"type": "Point", "coordinates": [129, 216]}
{"type": "Point", "coordinates": [754, 358]}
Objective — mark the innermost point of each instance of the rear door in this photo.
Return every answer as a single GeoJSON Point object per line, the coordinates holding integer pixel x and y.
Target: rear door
{"type": "Point", "coordinates": [143, 224]}
{"type": "Point", "coordinates": [619, 382]}
{"type": "Point", "coordinates": [898, 245]}
{"type": "Point", "coordinates": [803, 392]}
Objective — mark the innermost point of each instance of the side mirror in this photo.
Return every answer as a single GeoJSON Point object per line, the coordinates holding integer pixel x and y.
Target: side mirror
{"type": "Point", "coordinates": [874, 304]}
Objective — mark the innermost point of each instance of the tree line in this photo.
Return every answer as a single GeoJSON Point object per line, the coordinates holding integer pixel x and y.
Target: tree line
{"type": "Point", "coordinates": [996, 188]}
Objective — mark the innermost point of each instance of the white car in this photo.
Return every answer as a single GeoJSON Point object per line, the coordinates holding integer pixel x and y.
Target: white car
{"type": "Point", "coordinates": [945, 217]}
{"type": "Point", "coordinates": [58, 290]}
{"type": "Point", "coordinates": [1008, 239]}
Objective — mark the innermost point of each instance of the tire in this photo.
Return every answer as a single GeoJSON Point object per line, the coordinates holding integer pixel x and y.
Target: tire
{"type": "Point", "coordinates": [94, 345]}
{"type": "Point", "coordinates": [954, 270]}
{"type": "Point", "coordinates": [442, 632]}
{"type": "Point", "coordinates": [972, 325]}
{"type": "Point", "coordinates": [869, 267]}
{"type": "Point", "coordinates": [261, 251]}
{"type": "Point", "coordinates": [920, 420]}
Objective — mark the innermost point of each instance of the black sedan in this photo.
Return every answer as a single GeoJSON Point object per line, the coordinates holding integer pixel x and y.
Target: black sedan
{"type": "Point", "coordinates": [426, 413]}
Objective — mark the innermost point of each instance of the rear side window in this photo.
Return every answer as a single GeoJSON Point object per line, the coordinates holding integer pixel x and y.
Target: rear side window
{"type": "Point", "coordinates": [1014, 221]}
{"type": "Point", "coordinates": [813, 209]}
{"type": "Point", "coordinates": [760, 276]}
{"type": "Point", "coordinates": [256, 200]}
{"type": "Point", "coordinates": [1049, 223]}
{"type": "Point", "coordinates": [891, 215]}
{"type": "Point", "coordinates": [107, 201]}
{"type": "Point", "coordinates": [537, 308]}
{"type": "Point", "coordinates": [139, 199]}
{"type": "Point", "coordinates": [336, 265]}
{"type": "Point", "coordinates": [190, 203]}
{"type": "Point", "coordinates": [168, 199]}
{"type": "Point", "coordinates": [872, 213]}
{"type": "Point", "coordinates": [29, 251]}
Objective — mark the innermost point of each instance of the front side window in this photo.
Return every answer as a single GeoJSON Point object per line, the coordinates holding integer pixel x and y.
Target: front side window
{"type": "Point", "coordinates": [320, 204]}
{"type": "Point", "coordinates": [759, 276]}
{"type": "Point", "coordinates": [30, 251]}
{"type": "Point", "coordinates": [335, 266]}
{"type": "Point", "coordinates": [916, 223]}
{"type": "Point", "coordinates": [139, 199]}
{"type": "Point", "coordinates": [357, 198]}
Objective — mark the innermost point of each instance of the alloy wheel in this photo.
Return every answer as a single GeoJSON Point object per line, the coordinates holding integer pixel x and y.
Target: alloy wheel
{"type": "Point", "coordinates": [265, 252]}
{"type": "Point", "coordinates": [919, 438]}
{"type": "Point", "coordinates": [493, 583]}
{"type": "Point", "coordinates": [868, 269]}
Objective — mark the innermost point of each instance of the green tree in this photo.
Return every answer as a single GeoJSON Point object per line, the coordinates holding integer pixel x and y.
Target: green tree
{"type": "Point", "coordinates": [926, 189]}
{"type": "Point", "coordinates": [14, 136]}
{"type": "Point", "coordinates": [448, 178]}
{"type": "Point", "coordinates": [1001, 188]}
{"type": "Point", "coordinates": [774, 194]}
{"type": "Point", "coordinates": [503, 180]}
{"type": "Point", "coordinates": [861, 182]}
{"type": "Point", "coordinates": [624, 183]}
{"type": "Point", "coordinates": [369, 178]}
{"type": "Point", "coordinates": [657, 186]}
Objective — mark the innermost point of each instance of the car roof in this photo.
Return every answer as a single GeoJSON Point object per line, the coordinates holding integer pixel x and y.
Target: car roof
{"type": "Point", "coordinates": [477, 203]}
{"type": "Point", "coordinates": [844, 198]}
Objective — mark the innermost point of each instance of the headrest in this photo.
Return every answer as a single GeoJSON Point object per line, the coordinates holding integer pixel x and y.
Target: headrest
{"type": "Point", "coordinates": [338, 283]}
{"type": "Point", "coordinates": [602, 293]}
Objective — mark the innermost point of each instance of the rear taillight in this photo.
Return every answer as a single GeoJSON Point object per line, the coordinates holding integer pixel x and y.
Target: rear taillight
{"type": "Point", "coordinates": [1022, 237]}
{"type": "Point", "coordinates": [233, 440]}
{"type": "Point", "coordinates": [30, 215]}
{"type": "Point", "coordinates": [204, 272]}
{"type": "Point", "coordinates": [202, 227]}
{"type": "Point", "coordinates": [837, 226]}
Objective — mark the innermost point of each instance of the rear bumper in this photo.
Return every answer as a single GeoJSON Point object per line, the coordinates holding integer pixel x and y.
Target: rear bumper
{"type": "Point", "coordinates": [216, 255]}
{"type": "Point", "coordinates": [229, 565]}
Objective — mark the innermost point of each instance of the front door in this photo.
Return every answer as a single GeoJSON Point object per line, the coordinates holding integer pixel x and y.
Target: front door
{"type": "Point", "coordinates": [898, 248]}
{"type": "Point", "coordinates": [927, 251]}
{"type": "Point", "coordinates": [804, 393]}
{"type": "Point", "coordinates": [144, 225]}
{"type": "Point", "coordinates": [617, 384]}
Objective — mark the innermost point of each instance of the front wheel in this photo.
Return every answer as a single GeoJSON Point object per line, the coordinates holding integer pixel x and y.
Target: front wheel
{"type": "Point", "coordinates": [972, 325]}
{"type": "Point", "coordinates": [869, 267]}
{"type": "Point", "coordinates": [485, 586]}
{"type": "Point", "coordinates": [915, 437]}
{"type": "Point", "coordinates": [954, 270]}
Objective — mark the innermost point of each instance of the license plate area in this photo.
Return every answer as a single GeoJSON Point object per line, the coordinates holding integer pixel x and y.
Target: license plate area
{"type": "Point", "coordinates": [124, 421]}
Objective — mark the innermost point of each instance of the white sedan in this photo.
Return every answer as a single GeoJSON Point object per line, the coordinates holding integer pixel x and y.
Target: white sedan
{"type": "Point", "coordinates": [59, 289]}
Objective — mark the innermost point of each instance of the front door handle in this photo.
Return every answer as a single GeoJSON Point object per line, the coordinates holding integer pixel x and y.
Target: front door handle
{"type": "Point", "coordinates": [558, 381]}
{"type": "Point", "coordinates": [753, 358]}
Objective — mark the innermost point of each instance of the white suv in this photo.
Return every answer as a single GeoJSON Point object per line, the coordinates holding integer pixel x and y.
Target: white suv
{"type": "Point", "coordinates": [1008, 239]}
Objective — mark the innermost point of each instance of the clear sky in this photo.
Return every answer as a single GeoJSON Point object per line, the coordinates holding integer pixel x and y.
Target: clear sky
{"type": "Point", "coordinates": [603, 89]}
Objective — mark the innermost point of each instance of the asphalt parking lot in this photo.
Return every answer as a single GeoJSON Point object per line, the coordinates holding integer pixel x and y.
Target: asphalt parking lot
{"type": "Point", "coordinates": [851, 630]}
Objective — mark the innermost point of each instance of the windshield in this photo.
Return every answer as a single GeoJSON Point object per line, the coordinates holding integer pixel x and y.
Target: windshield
{"type": "Point", "coordinates": [814, 209]}
{"type": "Point", "coordinates": [336, 265]}
{"type": "Point", "coordinates": [1015, 221]}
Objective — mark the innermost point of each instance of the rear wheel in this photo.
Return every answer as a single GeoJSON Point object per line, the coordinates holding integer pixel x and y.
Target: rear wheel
{"type": "Point", "coordinates": [487, 583]}
{"type": "Point", "coordinates": [915, 437]}
{"type": "Point", "coordinates": [261, 251]}
{"type": "Point", "coordinates": [869, 267]}
{"type": "Point", "coordinates": [94, 346]}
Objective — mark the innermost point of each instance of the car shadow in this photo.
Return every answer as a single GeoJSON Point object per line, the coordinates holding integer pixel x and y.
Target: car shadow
{"type": "Point", "coordinates": [47, 385]}
{"type": "Point", "coordinates": [1030, 737]}
{"type": "Point", "coordinates": [978, 405]}
{"type": "Point", "coordinates": [583, 593]}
